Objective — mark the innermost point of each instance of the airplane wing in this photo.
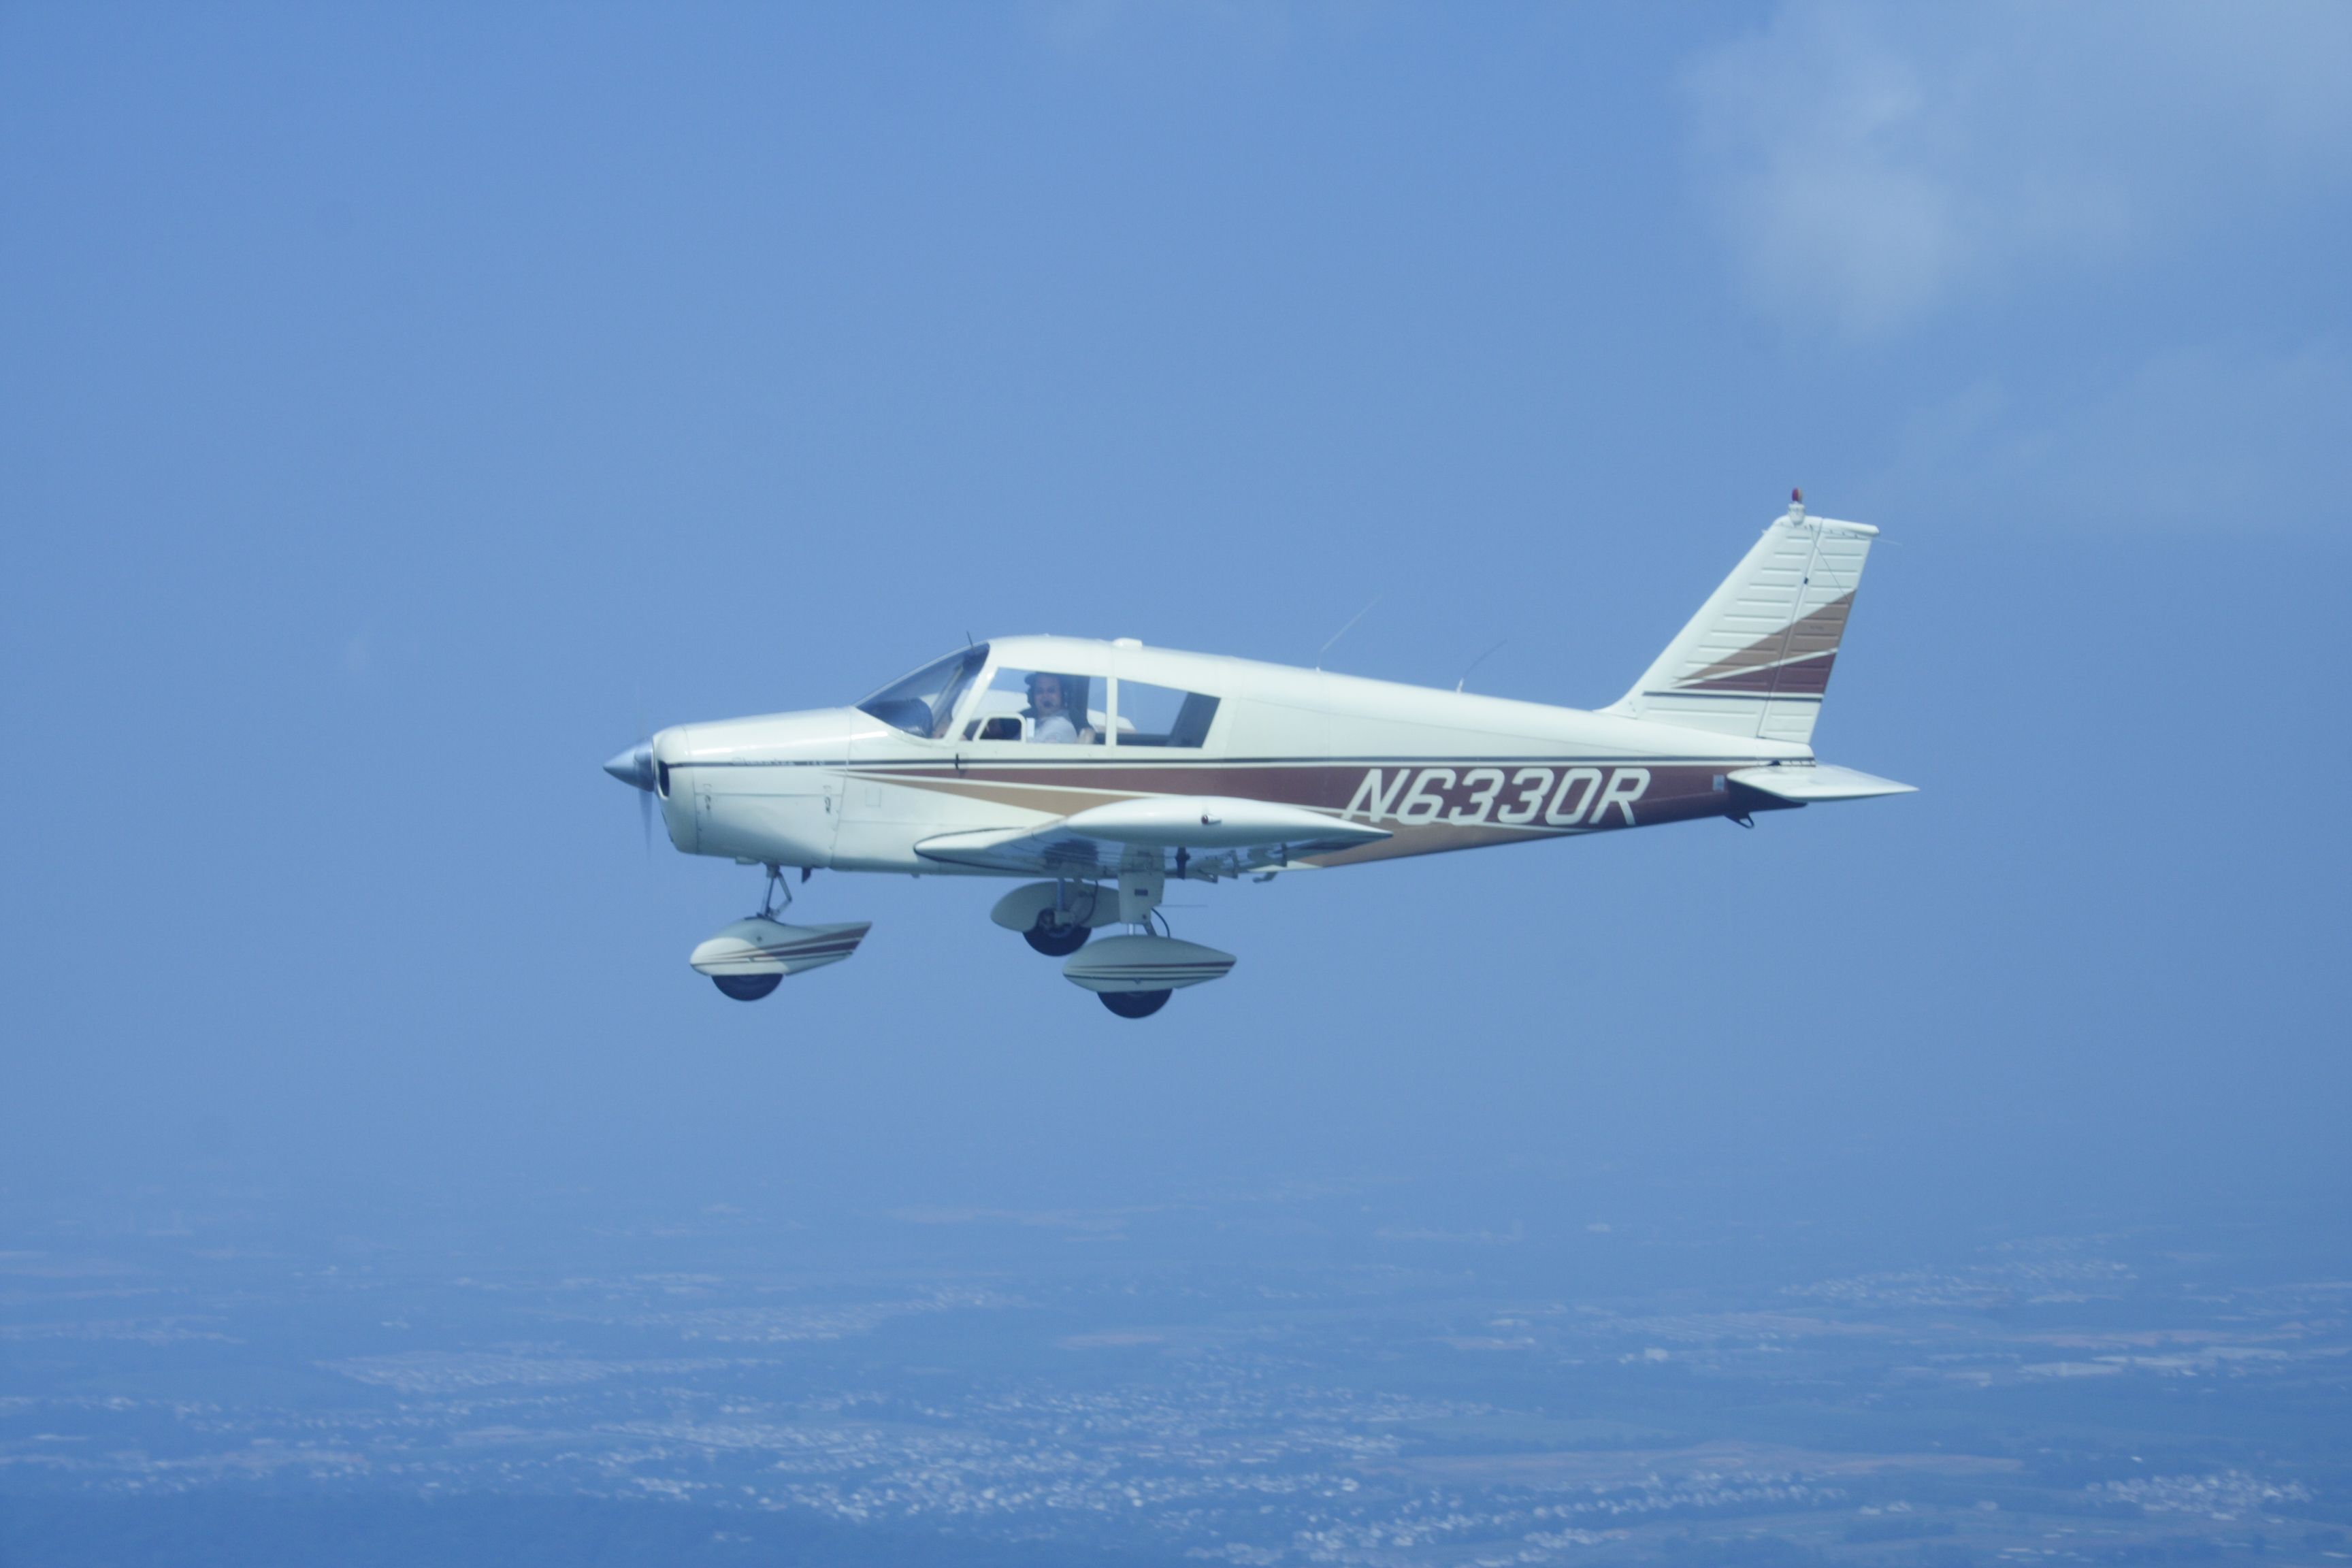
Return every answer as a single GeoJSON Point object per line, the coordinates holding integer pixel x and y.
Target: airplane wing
{"type": "Point", "coordinates": [1201, 837]}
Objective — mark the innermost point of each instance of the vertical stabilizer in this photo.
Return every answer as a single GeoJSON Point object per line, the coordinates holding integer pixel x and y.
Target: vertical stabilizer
{"type": "Point", "coordinates": [1755, 661]}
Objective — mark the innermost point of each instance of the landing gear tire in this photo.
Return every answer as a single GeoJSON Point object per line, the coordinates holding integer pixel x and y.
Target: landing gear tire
{"type": "Point", "coordinates": [747, 987]}
{"type": "Point", "coordinates": [1134, 1004]}
{"type": "Point", "coordinates": [1052, 941]}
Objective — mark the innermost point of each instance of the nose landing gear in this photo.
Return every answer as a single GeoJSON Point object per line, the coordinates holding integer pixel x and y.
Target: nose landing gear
{"type": "Point", "coordinates": [747, 987]}
{"type": "Point", "coordinates": [750, 959]}
{"type": "Point", "coordinates": [1134, 973]}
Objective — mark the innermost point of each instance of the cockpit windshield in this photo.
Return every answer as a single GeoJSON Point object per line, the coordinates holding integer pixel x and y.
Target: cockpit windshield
{"type": "Point", "coordinates": [924, 702]}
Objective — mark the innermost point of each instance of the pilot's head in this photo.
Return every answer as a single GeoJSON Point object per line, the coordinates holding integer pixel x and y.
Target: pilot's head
{"type": "Point", "coordinates": [1047, 694]}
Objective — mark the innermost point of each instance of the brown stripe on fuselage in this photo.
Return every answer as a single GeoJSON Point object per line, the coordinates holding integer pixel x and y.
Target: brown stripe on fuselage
{"type": "Point", "coordinates": [1676, 793]}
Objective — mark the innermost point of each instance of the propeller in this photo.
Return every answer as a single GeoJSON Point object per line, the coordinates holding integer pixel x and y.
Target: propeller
{"type": "Point", "coordinates": [635, 767]}
{"type": "Point", "coordinates": [638, 768]}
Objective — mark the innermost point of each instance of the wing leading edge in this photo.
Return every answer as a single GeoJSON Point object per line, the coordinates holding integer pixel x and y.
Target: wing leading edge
{"type": "Point", "coordinates": [1201, 837]}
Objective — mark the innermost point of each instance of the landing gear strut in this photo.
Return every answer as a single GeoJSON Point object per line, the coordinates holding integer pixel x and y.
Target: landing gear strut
{"type": "Point", "coordinates": [769, 908]}
{"type": "Point", "coordinates": [751, 987]}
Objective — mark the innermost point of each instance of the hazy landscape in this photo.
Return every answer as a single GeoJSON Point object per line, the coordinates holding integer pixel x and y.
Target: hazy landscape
{"type": "Point", "coordinates": [1328, 1372]}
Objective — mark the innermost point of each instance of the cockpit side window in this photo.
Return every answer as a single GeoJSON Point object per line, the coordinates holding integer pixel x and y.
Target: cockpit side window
{"type": "Point", "coordinates": [924, 703]}
{"type": "Point", "coordinates": [1051, 707]}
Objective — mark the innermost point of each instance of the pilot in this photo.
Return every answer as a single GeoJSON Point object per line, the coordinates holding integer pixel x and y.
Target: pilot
{"type": "Point", "coordinates": [1049, 711]}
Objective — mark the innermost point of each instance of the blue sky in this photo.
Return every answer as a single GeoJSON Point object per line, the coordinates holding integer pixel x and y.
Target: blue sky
{"type": "Point", "coordinates": [400, 407]}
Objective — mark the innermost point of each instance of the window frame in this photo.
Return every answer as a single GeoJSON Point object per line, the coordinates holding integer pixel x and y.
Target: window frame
{"type": "Point", "coordinates": [971, 713]}
{"type": "Point", "coordinates": [1115, 713]}
{"type": "Point", "coordinates": [973, 681]}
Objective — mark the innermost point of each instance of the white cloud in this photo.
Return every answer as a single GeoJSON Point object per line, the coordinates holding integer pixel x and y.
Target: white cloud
{"type": "Point", "coordinates": [1868, 165]}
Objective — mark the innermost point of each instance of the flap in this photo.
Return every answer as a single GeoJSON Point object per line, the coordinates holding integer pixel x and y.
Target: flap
{"type": "Point", "coordinates": [1804, 782]}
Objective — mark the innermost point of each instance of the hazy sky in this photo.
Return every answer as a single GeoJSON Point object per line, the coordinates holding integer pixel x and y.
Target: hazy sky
{"type": "Point", "coordinates": [402, 407]}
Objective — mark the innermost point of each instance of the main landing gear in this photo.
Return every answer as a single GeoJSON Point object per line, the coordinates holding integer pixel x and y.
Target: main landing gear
{"type": "Point", "coordinates": [1134, 973]}
{"type": "Point", "coordinates": [1135, 1003]}
{"type": "Point", "coordinates": [1056, 918]}
{"type": "Point", "coordinates": [1053, 940]}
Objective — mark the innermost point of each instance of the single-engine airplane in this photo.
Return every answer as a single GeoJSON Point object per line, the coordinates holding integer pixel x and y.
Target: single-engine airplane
{"type": "Point", "coordinates": [1103, 771]}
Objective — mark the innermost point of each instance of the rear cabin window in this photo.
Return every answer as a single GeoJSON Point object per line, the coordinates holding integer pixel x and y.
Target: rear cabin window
{"type": "Point", "coordinates": [1162, 716]}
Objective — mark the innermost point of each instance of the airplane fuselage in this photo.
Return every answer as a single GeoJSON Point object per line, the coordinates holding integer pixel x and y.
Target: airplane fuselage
{"type": "Point", "coordinates": [838, 788]}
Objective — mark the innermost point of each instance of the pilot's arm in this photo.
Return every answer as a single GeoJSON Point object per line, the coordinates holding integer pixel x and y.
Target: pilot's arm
{"type": "Point", "coordinates": [1055, 728]}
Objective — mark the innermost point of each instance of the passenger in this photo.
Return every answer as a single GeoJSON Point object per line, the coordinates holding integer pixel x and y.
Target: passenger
{"type": "Point", "coordinates": [1049, 711]}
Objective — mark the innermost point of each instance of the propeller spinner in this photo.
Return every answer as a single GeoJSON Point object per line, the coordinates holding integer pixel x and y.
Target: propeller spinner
{"type": "Point", "coordinates": [635, 767]}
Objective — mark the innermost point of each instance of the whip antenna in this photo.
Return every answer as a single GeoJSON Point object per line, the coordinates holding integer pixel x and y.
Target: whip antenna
{"type": "Point", "coordinates": [1343, 631]}
{"type": "Point", "coordinates": [1479, 660]}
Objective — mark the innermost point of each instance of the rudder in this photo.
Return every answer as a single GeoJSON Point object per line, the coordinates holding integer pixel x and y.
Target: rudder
{"type": "Point", "coordinates": [1755, 661]}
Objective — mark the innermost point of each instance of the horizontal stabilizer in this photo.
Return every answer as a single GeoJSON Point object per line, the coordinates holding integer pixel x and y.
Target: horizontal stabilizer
{"type": "Point", "coordinates": [1802, 783]}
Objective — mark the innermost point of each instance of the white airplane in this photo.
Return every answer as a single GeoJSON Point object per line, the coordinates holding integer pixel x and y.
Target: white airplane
{"type": "Point", "coordinates": [1103, 771]}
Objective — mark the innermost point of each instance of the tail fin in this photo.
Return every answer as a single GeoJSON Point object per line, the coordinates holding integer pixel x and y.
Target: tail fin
{"type": "Point", "coordinates": [1756, 658]}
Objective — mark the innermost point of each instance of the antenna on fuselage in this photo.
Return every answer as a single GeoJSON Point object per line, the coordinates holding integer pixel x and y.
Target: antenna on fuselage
{"type": "Point", "coordinates": [1479, 660]}
{"type": "Point", "coordinates": [1343, 631]}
